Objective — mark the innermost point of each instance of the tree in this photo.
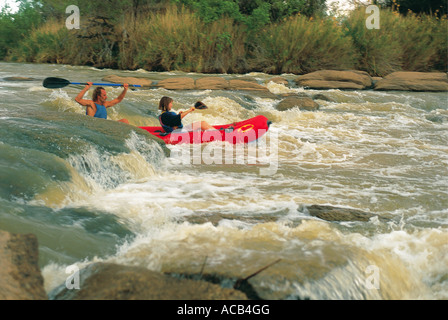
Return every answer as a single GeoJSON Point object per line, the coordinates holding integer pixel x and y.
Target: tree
{"type": "Point", "coordinates": [254, 12]}
{"type": "Point", "coordinates": [437, 7]}
{"type": "Point", "coordinates": [15, 26]}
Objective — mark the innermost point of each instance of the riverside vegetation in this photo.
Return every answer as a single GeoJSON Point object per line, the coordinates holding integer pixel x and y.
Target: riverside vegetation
{"type": "Point", "coordinates": [189, 36]}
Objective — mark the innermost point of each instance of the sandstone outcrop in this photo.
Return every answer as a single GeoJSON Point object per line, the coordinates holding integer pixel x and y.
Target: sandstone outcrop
{"type": "Point", "coordinates": [144, 82]}
{"type": "Point", "coordinates": [212, 83]}
{"type": "Point", "coordinates": [333, 79]}
{"type": "Point", "coordinates": [414, 81]}
{"type": "Point", "coordinates": [319, 80]}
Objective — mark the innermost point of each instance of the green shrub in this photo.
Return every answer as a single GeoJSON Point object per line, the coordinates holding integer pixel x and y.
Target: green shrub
{"type": "Point", "coordinates": [14, 27]}
{"type": "Point", "coordinates": [411, 42]}
{"type": "Point", "coordinates": [180, 40]}
{"type": "Point", "coordinates": [46, 44]}
{"type": "Point", "coordinates": [380, 52]}
{"type": "Point", "coordinates": [424, 41]}
{"type": "Point", "coordinates": [301, 44]}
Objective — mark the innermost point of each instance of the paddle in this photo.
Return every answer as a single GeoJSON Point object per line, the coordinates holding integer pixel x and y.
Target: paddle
{"type": "Point", "coordinates": [56, 83]}
{"type": "Point", "coordinates": [199, 105]}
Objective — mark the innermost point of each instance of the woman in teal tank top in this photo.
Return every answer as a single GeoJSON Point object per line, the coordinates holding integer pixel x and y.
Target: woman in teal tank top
{"type": "Point", "coordinates": [97, 107]}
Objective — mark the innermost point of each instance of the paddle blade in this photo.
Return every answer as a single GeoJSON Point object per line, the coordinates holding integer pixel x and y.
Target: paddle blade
{"type": "Point", "coordinates": [55, 83]}
{"type": "Point", "coordinates": [199, 105]}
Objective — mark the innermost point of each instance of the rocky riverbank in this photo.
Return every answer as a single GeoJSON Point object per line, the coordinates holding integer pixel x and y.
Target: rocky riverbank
{"type": "Point", "coordinates": [324, 79]}
{"type": "Point", "coordinates": [21, 278]}
{"type": "Point", "coordinates": [319, 80]}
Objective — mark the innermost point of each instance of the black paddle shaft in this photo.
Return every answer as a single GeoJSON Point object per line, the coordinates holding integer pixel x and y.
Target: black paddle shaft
{"type": "Point", "coordinates": [56, 83]}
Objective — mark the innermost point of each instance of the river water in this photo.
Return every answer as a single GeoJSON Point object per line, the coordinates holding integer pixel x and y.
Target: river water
{"type": "Point", "coordinates": [96, 190]}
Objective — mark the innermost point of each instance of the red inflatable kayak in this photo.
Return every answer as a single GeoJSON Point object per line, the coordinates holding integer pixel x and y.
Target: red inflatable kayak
{"type": "Point", "coordinates": [238, 132]}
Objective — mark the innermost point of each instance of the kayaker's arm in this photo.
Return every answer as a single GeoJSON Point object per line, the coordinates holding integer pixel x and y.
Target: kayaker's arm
{"type": "Point", "coordinates": [184, 113]}
{"type": "Point", "coordinates": [79, 97]}
{"type": "Point", "coordinates": [120, 98]}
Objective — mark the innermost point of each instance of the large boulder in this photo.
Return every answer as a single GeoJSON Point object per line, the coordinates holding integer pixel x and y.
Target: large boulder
{"type": "Point", "coordinates": [20, 277]}
{"type": "Point", "coordinates": [108, 281]}
{"type": "Point", "coordinates": [144, 82]}
{"type": "Point", "coordinates": [246, 86]}
{"type": "Point", "coordinates": [414, 81]}
{"type": "Point", "coordinates": [181, 83]}
{"type": "Point", "coordinates": [212, 83]}
{"type": "Point", "coordinates": [333, 79]}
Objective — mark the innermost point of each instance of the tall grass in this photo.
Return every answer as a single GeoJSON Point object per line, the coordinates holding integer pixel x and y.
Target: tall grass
{"type": "Point", "coordinates": [411, 42]}
{"type": "Point", "coordinates": [380, 50]}
{"type": "Point", "coordinates": [180, 40]}
{"type": "Point", "coordinates": [302, 44]}
{"type": "Point", "coordinates": [424, 41]}
{"type": "Point", "coordinates": [45, 44]}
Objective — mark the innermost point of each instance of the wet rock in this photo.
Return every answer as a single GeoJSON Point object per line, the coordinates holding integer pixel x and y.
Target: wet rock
{"type": "Point", "coordinates": [20, 277]}
{"type": "Point", "coordinates": [279, 80]}
{"type": "Point", "coordinates": [330, 213]}
{"type": "Point", "coordinates": [246, 85]}
{"type": "Point", "coordinates": [376, 79]}
{"type": "Point", "coordinates": [414, 81]}
{"type": "Point", "coordinates": [438, 116]}
{"type": "Point", "coordinates": [144, 82]}
{"type": "Point", "coordinates": [303, 103]}
{"type": "Point", "coordinates": [181, 83]}
{"type": "Point", "coordinates": [333, 79]}
{"type": "Point", "coordinates": [107, 281]}
{"type": "Point", "coordinates": [212, 83]}
{"type": "Point", "coordinates": [320, 96]}
{"type": "Point", "coordinates": [18, 79]}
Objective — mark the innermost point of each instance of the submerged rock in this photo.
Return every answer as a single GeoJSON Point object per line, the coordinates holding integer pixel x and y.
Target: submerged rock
{"type": "Point", "coordinates": [303, 103]}
{"type": "Point", "coordinates": [278, 80]}
{"type": "Point", "coordinates": [320, 96]}
{"type": "Point", "coordinates": [330, 213]}
{"type": "Point", "coordinates": [19, 79]}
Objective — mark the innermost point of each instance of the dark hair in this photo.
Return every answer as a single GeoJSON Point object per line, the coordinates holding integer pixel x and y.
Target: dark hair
{"type": "Point", "coordinates": [96, 93]}
{"type": "Point", "coordinates": [164, 103]}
